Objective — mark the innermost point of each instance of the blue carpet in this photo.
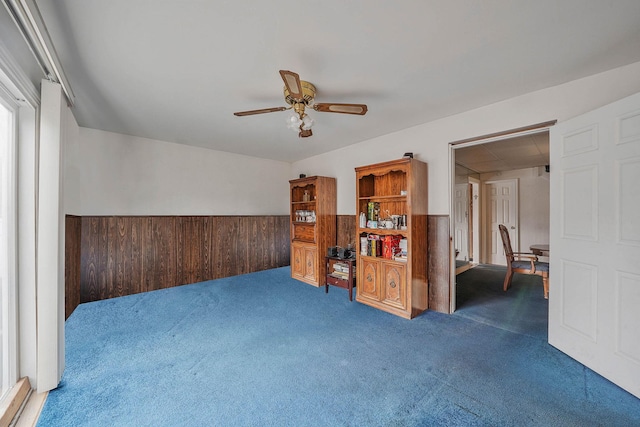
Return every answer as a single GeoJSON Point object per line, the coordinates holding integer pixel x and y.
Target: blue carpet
{"type": "Point", "coordinates": [265, 350]}
{"type": "Point", "coordinates": [522, 309]}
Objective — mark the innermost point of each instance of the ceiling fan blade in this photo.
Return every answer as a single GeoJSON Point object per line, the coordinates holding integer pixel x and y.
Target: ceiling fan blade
{"type": "Point", "coordinates": [292, 83]}
{"type": "Point", "coordinates": [264, 110]}
{"type": "Point", "coordinates": [359, 109]}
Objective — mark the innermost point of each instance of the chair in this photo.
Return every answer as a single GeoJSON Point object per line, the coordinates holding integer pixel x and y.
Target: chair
{"type": "Point", "coordinates": [522, 262]}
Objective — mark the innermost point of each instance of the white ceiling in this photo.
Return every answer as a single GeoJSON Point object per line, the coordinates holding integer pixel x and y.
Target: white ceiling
{"type": "Point", "coordinates": [507, 154]}
{"type": "Point", "coordinates": [177, 70]}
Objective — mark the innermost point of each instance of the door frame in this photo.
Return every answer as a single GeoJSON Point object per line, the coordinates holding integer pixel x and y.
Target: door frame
{"type": "Point", "coordinates": [9, 325]}
{"type": "Point", "coordinates": [468, 142]}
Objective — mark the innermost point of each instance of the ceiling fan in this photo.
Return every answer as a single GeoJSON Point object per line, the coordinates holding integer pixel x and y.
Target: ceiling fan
{"type": "Point", "coordinates": [300, 94]}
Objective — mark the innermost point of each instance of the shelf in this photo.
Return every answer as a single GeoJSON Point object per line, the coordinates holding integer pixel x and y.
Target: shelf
{"type": "Point", "coordinates": [382, 231]}
{"type": "Point", "coordinates": [394, 197]}
{"type": "Point", "coordinates": [379, 258]}
{"type": "Point", "coordinates": [302, 223]}
{"type": "Point", "coordinates": [304, 203]}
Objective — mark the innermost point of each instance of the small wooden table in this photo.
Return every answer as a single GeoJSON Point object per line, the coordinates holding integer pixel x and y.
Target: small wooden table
{"type": "Point", "coordinates": [341, 273]}
{"type": "Point", "coordinates": [540, 249]}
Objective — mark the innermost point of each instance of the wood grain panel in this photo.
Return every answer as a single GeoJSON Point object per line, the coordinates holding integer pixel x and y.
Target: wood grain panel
{"type": "Point", "coordinates": [226, 246]}
{"type": "Point", "coordinates": [110, 239]}
{"type": "Point", "coordinates": [190, 248]}
{"type": "Point", "coordinates": [266, 242]}
{"type": "Point", "coordinates": [116, 256]}
{"type": "Point", "coordinates": [248, 231]}
{"type": "Point", "coordinates": [346, 231]}
{"type": "Point", "coordinates": [73, 233]}
{"type": "Point", "coordinates": [282, 240]}
{"type": "Point", "coordinates": [148, 266]}
{"type": "Point", "coordinates": [165, 238]}
{"type": "Point", "coordinates": [439, 263]}
{"type": "Point", "coordinates": [88, 259]}
{"type": "Point", "coordinates": [207, 248]}
{"type": "Point", "coordinates": [137, 254]}
{"type": "Point", "coordinates": [123, 251]}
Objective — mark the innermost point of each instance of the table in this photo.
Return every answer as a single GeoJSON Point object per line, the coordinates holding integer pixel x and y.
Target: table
{"type": "Point", "coordinates": [540, 249]}
{"type": "Point", "coordinates": [341, 273]}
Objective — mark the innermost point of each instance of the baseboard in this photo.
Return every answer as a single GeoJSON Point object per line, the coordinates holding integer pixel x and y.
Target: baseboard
{"type": "Point", "coordinates": [464, 268]}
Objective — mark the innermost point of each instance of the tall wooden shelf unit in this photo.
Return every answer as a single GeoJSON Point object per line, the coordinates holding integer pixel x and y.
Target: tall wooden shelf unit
{"type": "Point", "coordinates": [313, 234]}
{"type": "Point", "coordinates": [395, 286]}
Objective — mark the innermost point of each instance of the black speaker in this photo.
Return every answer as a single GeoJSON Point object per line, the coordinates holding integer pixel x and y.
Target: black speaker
{"type": "Point", "coordinates": [332, 251]}
{"type": "Point", "coordinates": [344, 253]}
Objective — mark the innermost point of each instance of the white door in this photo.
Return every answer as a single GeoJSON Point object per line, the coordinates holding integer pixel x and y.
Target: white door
{"type": "Point", "coordinates": [502, 208]}
{"type": "Point", "coordinates": [461, 216]}
{"type": "Point", "coordinates": [595, 241]}
{"type": "Point", "coordinates": [474, 232]}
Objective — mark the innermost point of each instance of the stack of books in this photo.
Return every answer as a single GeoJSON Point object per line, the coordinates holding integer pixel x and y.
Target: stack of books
{"type": "Point", "coordinates": [340, 271]}
{"type": "Point", "coordinates": [402, 256]}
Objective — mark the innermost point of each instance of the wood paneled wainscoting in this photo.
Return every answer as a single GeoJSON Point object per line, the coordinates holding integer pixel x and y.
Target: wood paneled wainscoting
{"type": "Point", "coordinates": [439, 263]}
{"type": "Point", "coordinates": [112, 256]}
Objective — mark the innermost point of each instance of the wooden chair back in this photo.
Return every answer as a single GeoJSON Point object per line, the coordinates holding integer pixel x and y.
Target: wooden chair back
{"type": "Point", "coordinates": [506, 242]}
{"type": "Point", "coordinates": [527, 263]}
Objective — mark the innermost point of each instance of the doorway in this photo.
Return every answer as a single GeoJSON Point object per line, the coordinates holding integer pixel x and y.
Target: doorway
{"type": "Point", "coordinates": [520, 156]}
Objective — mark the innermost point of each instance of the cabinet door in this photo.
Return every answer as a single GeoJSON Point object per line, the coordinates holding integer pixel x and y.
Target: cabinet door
{"type": "Point", "coordinates": [394, 285]}
{"type": "Point", "coordinates": [297, 261]}
{"type": "Point", "coordinates": [369, 287]}
{"type": "Point", "coordinates": [311, 264]}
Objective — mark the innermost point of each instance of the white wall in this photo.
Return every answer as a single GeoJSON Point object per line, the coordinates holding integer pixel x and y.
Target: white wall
{"type": "Point", "coordinates": [533, 204]}
{"type": "Point", "coordinates": [72, 158]}
{"type": "Point", "coordinates": [125, 175]}
{"type": "Point", "coordinates": [429, 142]}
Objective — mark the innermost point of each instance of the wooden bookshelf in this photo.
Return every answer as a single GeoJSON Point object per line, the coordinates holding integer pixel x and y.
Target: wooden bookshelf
{"type": "Point", "coordinates": [390, 280]}
{"type": "Point", "coordinates": [313, 227]}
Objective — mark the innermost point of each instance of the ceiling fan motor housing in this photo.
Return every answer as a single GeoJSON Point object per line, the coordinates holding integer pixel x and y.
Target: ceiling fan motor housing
{"type": "Point", "coordinates": [308, 94]}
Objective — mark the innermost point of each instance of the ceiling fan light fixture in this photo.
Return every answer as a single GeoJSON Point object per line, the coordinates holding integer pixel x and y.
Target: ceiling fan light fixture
{"type": "Point", "coordinates": [307, 123]}
{"type": "Point", "coordinates": [294, 122]}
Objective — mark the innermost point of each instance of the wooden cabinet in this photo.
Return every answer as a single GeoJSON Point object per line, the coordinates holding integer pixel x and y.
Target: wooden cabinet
{"type": "Point", "coordinates": [313, 227]}
{"type": "Point", "coordinates": [368, 289]}
{"type": "Point", "coordinates": [391, 247]}
{"type": "Point", "coordinates": [341, 273]}
{"type": "Point", "coordinates": [394, 287]}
